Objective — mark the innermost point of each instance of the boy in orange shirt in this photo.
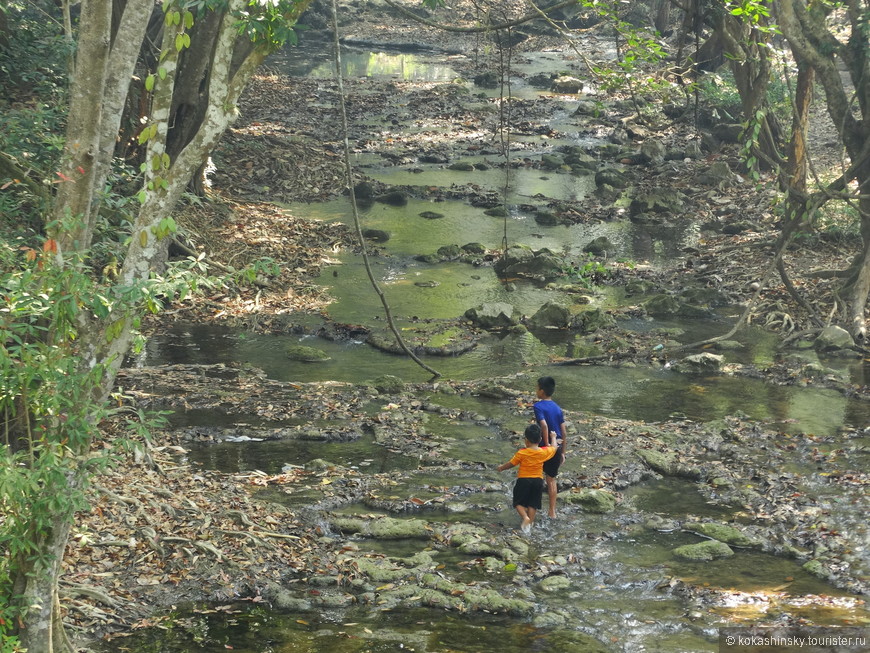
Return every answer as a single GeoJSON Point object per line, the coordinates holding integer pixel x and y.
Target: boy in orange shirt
{"type": "Point", "coordinates": [530, 477]}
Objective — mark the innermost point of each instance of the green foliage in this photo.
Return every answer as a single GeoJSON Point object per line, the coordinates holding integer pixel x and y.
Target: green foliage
{"type": "Point", "coordinates": [587, 273]}
{"type": "Point", "coordinates": [262, 267]}
{"type": "Point", "coordinates": [636, 50]}
{"type": "Point", "coordinates": [51, 402]}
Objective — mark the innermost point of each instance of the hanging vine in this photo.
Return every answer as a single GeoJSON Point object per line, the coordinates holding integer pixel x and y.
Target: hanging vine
{"type": "Point", "coordinates": [353, 202]}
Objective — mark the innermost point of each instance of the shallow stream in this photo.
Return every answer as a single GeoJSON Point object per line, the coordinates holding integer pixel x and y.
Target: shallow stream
{"type": "Point", "coordinates": [612, 599]}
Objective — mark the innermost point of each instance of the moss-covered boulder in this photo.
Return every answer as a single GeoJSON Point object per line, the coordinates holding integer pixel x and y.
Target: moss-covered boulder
{"type": "Point", "coordinates": [703, 551]}
{"type": "Point", "coordinates": [595, 501]}
{"type": "Point", "coordinates": [550, 316]}
{"type": "Point", "coordinates": [721, 532]}
{"type": "Point", "coordinates": [388, 384]}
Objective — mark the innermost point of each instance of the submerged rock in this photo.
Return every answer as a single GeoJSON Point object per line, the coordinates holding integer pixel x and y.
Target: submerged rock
{"type": "Point", "coordinates": [306, 354]}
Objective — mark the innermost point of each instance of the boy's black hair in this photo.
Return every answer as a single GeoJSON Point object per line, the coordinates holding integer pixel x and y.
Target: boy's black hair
{"type": "Point", "coordinates": [533, 433]}
{"type": "Point", "coordinates": [548, 385]}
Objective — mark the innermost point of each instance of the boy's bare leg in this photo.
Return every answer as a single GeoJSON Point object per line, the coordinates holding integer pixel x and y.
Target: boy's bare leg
{"type": "Point", "coordinates": [526, 524]}
{"type": "Point", "coordinates": [551, 496]}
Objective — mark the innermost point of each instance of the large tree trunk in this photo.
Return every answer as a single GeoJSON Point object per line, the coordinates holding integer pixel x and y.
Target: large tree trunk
{"type": "Point", "coordinates": [813, 45]}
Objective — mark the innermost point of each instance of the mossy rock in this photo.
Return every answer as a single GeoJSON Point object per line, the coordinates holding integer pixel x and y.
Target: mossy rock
{"type": "Point", "coordinates": [474, 248]}
{"type": "Point", "coordinates": [662, 305]}
{"type": "Point", "coordinates": [462, 166]}
{"type": "Point", "coordinates": [431, 215]}
{"type": "Point", "coordinates": [388, 384]}
{"type": "Point", "coordinates": [388, 528]}
{"type": "Point", "coordinates": [306, 354]}
{"type": "Point", "coordinates": [594, 501]}
{"type": "Point", "coordinates": [497, 212]}
{"type": "Point", "coordinates": [703, 551]}
{"type": "Point", "coordinates": [393, 198]}
{"type": "Point", "coordinates": [721, 532]}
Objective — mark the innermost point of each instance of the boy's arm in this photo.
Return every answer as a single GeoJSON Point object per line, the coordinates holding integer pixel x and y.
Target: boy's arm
{"type": "Point", "coordinates": [564, 430]}
{"type": "Point", "coordinates": [545, 434]}
{"type": "Point", "coordinates": [505, 466]}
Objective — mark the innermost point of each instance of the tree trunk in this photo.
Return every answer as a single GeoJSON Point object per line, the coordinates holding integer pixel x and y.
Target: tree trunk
{"type": "Point", "coordinates": [77, 189]}
{"type": "Point", "coordinates": [662, 15]}
{"type": "Point", "coordinates": [815, 46]}
{"type": "Point", "coordinates": [42, 627]}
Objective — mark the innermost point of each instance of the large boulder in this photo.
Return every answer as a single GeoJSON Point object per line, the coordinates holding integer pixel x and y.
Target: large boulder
{"type": "Point", "coordinates": [522, 261]}
{"type": "Point", "coordinates": [833, 337]}
{"type": "Point", "coordinates": [550, 316]}
{"type": "Point", "coordinates": [492, 316]}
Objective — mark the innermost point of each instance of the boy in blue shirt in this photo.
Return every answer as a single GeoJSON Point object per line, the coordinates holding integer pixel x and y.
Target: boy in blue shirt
{"type": "Point", "coordinates": [550, 418]}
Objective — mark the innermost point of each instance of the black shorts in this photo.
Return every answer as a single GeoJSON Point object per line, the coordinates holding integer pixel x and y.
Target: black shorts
{"type": "Point", "coordinates": [527, 492]}
{"type": "Point", "coordinates": [551, 467]}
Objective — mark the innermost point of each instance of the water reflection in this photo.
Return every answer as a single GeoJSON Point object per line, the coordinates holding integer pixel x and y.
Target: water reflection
{"type": "Point", "coordinates": [635, 393]}
{"type": "Point", "coordinates": [315, 58]}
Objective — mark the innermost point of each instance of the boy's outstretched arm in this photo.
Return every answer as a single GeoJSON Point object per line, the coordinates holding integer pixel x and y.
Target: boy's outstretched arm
{"type": "Point", "coordinates": [505, 466]}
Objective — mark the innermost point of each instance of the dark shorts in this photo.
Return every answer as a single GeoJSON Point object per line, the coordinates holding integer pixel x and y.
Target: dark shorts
{"type": "Point", "coordinates": [551, 467]}
{"type": "Point", "coordinates": [527, 492]}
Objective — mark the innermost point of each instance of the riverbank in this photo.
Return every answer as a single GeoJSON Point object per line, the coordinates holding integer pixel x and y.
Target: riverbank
{"type": "Point", "coordinates": [164, 532]}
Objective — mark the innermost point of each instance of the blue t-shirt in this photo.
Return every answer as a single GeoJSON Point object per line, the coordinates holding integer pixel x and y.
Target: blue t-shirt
{"type": "Point", "coordinates": [549, 411]}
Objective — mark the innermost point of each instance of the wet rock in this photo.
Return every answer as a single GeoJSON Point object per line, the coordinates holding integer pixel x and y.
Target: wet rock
{"type": "Point", "coordinates": [377, 235]}
{"type": "Point", "coordinates": [448, 252]}
{"type": "Point", "coordinates": [393, 198]}
{"type": "Point", "coordinates": [550, 316]}
{"type": "Point", "coordinates": [463, 166]}
{"type": "Point", "coordinates": [320, 465]}
{"type": "Point", "coordinates": [662, 305]}
{"type": "Point", "coordinates": [522, 261]}
{"type": "Point", "coordinates": [591, 320]}
{"type": "Point", "coordinates": [306, 354]}
{"type": "Point", "coordinates": [703, 551]}
{"type": "Point", "coordinates": [566, 84]}
{"type": "Point", "coordinates": [818, 569]}
{"type": "Point", "coordinates": [599, 246]}
{"type": "Point", "coordinates": [496, 212]}
{"type": "Point", "coordinates": [552, 162]}
{"type": "Point", "coordinates": [700, 363]}
{"type": "Point", "coordinates": [492, 316]}
{"type": "Point", "coordinates": [388, 384]}
{"type": "Point", "coordinates": [494, 390]}
{"type": "Point", "coordinates": [555, 583]}
{"type": "Point", "coordinates": [474, 248]}
{"type": "Point", "coordinates": [834, 337]}
{"type": "Point", "coordinates": [660, 524]}
{"type": "Point", "coordinates": [668, 464]}
{"type": "Point", "coordinates": [431, 215]}
{"type": "Point", "coordinates": [364, 190]}
{"type": "Point", "coordinates": [587, 108]}
{"type": "Point", "coordinates": [547, 218]}
{"type": "Point", "coordinates": [721, 532]}
{"type": "Point", "coordinates": [487, 80]}
{"type": "Point", "coordinates": [611, 177]}
{"type": "Point", "coordinates": [659, 201]}
{"type": "Point", "coordinates": [594, 501]}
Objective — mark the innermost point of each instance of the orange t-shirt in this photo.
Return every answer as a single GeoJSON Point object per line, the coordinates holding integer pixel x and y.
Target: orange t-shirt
{"type": "Point", "coordinates": [531, 461]}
